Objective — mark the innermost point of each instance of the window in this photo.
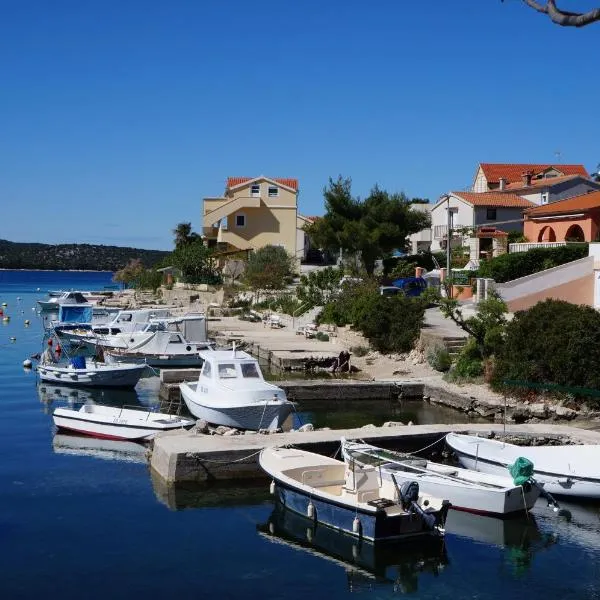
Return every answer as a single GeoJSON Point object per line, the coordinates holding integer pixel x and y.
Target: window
{"type": "Point", "coordinates": [249, 370]}
{"type": "Point", "coordinates": [273, 191]}
{"type": "Point", "coordinates": [174, 339]}
{"type": "Point", "coordinates": [240, 220]}
{"type": "Point", "coordinates": [491, 214]}
{"type": "Point", "coordinates": [227, 371]}
{"type": "Point", "coordinates": [255, 189]}
{"type": "Point", "coordinates": [206, 370]}
{"type": "Point", "coordinates": [544, 198]}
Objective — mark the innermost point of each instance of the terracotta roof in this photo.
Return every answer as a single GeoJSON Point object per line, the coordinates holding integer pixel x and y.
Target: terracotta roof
{"type": "Point", "coordinates": [233, 181]}
{"type": "Point", "coordinates": [576, 204]}
{"type": "Point", "coordinates": [494, 199]}
{"type": "Point", "coordinates": [542, 182]}
{"type": "Point", "coordinates": [514, 172]}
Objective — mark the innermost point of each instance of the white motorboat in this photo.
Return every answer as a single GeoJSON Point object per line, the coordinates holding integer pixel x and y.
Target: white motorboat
{"type": "Point", "coordinates": [566, 470]}
{"type": "Point", "coordinates": [163, 349]}
{"type": "Point", "coordinates": [116, 423]}
{"type": "Point", "coordinates": [356, 501]}
{"type": "Point", "coordinates": [72, 297]}
{"type": "Point", "coordinates": [83, 371]}
{"type": "Point", "coordinates": [466, 489]}
{"type": "Point", "coordinates": [231, 391]}
{"type": "Point", "coordinates": [123, 322]}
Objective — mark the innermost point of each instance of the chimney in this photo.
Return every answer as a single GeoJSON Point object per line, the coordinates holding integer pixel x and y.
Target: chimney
{"type": "Point", "coordinates": [527, 175]}
{"type": "Point", "coordinates": [502, 183]}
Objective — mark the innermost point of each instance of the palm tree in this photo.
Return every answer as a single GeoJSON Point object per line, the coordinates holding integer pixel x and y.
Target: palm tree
{"type": "Point", "coordinates": [183, 234]}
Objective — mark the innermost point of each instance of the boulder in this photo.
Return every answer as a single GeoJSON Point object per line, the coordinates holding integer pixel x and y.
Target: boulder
{"type": "Point", "coordinates": [221, 430]}
{"type": "Point", "coordinates": [307, 427]}
{"type": "Point", "coordinates": [201, 426]}
{"type": "Point", "coordinates": [232, 431]}
{"type": "Point", "coordinates": [369, 426]}
{"type": "Point", "coordinates": [393, 424]}
{"type": "Point", "coordinates": [562, 412]}
{"type": "Point", "coordinates": [539, 410]}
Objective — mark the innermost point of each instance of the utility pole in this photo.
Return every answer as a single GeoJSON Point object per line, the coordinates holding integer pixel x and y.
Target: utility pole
{"type": "Point", "coordinates": [448, 238]}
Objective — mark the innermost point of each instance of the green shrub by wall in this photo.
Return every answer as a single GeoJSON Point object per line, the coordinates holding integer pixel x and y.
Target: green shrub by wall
{"type": "Point", "coordinates": [507, 267]}
{"type": "Point", "coordinates": [552, 342]}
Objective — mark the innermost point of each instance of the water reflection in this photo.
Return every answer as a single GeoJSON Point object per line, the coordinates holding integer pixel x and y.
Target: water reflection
{"type": "Point", "coordinates": [367, 565]}
{"type": "Point", "coordinates": [519, 537]}
{"type": "Point", "coordinates": [51, 394]}
{"type": "Point", "coordinates": [99, 448]}
{"type": "Point", "coordinates": [210, 494]}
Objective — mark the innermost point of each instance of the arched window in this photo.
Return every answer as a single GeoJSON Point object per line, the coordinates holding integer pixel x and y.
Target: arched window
{"type": "Point", "coordinates": [575, 234]}
{"type": "Point", "coordinates": [547, 234]}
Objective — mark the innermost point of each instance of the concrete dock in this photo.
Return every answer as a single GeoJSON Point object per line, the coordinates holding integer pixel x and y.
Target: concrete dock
{"type": "Point", "coordinates": [185, 457]}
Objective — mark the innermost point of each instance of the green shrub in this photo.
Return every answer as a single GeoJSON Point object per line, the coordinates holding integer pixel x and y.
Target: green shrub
{"type": "Point", "coordinates": [439, 358]}
{"type": "Point", "coordinates": [507, 267]}
{"type": "Point", "coordinates": [553, 342]}
{"type": "Point", "coordinates": [469, 363]}
{"type": "Point", "coordinates": [321, 336]}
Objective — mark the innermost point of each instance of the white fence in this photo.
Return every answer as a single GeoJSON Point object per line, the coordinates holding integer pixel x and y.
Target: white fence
{"type": "Point", "coordinates": [523, 247]}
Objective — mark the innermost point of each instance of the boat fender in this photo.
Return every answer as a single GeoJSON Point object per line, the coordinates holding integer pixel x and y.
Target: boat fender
{"type": "Point", "coordinates": [272, 488]}
{"type": "Point", "coordinates": [310, 510]}
{"type": "Point", "coordinates": [271, 527]}
{"type": "Point", "coordinates": [356, 526]}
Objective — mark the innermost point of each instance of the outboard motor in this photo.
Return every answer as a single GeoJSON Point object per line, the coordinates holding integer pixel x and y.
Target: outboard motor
{"type": "Point", "coordinates": [408, 495]}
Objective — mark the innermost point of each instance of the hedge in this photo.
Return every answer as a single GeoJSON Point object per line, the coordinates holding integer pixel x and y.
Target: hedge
{"type": "Point", "coordinates": [507, 267]}
{"type": "Point", "coordinates": [554, 342]}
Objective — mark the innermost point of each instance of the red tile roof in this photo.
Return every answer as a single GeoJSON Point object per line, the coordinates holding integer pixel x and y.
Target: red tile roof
{"type": "Point", "coordinates": [542, 182]}
{"type": "Point", "coordinates": [576, 204]}
{"type": "Point", "coordinates": [514, 172]}
{"type": "Point", "coordinates": [500, 199]}
{"type": "Point", "coordinates": [233, 181]}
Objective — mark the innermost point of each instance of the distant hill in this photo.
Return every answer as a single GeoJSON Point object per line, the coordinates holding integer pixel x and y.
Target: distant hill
{"type": "Point", "coordinates": [16, 255]}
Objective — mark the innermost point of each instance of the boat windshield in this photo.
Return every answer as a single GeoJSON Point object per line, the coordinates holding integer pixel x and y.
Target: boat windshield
{"type": "Point", "coordinates": [227, 371]}
{"type": "Point", "coordinates": [249, 370]}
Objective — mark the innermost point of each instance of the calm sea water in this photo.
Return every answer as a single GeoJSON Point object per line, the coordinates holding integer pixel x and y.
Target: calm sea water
{"type": "Point", "coordinates": [81, 519]}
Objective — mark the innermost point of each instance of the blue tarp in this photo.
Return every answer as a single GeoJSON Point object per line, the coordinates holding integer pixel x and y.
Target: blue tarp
{"type": "Point", "coordinates": [75, 313]}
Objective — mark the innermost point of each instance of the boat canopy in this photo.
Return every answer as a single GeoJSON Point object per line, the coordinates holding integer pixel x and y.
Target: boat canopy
{"type": "Point", "coordinates": [75, 313]}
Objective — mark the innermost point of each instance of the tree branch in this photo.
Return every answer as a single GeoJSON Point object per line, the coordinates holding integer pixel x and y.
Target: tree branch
{"type": "Point", "coordinates": [563, 17]}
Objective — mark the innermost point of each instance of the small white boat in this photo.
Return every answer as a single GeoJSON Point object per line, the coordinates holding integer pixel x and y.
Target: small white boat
{"type": "Point", "coordinates": [467, 490]}
{"type": "Point", "coordinates": [116, 423]}
{"type": "Point", "coordinates": [231, 391]}
{"type": "Point", "coordinates": [569, 470]}
{"type": "Point", "coordinates": [64, 298]}
{"type": "Point", "coordinates": [163, 349]}
{"type": "Point", "coordinates": [355, 501]}
{"type": "Point", "coordinates": [85, 371]}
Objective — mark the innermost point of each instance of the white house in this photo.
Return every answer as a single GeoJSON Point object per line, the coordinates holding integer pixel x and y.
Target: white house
{"type": "Point", "coordinates": [420, 241]}
{"type": "Point", "coordinates": [471, 210]}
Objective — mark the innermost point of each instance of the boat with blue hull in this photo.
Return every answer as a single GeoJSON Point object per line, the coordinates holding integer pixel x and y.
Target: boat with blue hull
{"type": "Point", "coordinates": [355, 501]}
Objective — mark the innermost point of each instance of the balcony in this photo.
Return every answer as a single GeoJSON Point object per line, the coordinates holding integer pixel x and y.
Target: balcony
{"type": "Point", "coordinates": [224, 209]}
{"type": "Point", "coordinates": [440, 232]}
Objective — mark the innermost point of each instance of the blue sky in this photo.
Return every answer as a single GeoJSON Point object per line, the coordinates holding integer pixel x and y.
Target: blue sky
{"type": "Point", "coordinates": [118, 116]}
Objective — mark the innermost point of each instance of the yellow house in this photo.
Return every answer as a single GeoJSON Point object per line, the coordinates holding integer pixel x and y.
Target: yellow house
{"type": "Point", "coordinates": [252, 213]}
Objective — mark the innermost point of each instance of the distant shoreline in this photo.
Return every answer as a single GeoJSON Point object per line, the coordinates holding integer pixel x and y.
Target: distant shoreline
{"type": "Point", "coordinates": [59, 270]}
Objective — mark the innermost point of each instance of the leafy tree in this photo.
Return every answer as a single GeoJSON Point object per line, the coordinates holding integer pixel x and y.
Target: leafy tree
{"type": "Point", "coordinates": [184, 235]}
{"type": "Point", "coordinates": [318, 286]}
{"type": "Point", "coordinates": [195, 262]}
{"type": "Point", "coordinates": [564, 17]}
{"type": "Point", "coordinates": [135, 275]}
{"type": "Point", "coordinates": [372, 228]}
{"type": "Point", "coordinates": [268, 268]}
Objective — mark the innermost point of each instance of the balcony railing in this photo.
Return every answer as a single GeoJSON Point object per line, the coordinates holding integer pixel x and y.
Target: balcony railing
{"type": "Point", "coordinates": [440, 232]}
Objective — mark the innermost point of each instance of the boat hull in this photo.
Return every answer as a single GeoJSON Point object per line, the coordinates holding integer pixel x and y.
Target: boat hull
{"type": "Point", "coordinates": [123, 376]}
{"type": "Point", "coordinates": [69, 420]}
{"type": "Point", "coordinates": [269, 414]}
{"type": "Point", "coordinates": [374, 526]}
{"type": "Point", "coordinates": [475, 499]}
{"type": "Point", "coordinates": [559, 484]}
{"type": "Point", "coordinates": [157, 361]}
